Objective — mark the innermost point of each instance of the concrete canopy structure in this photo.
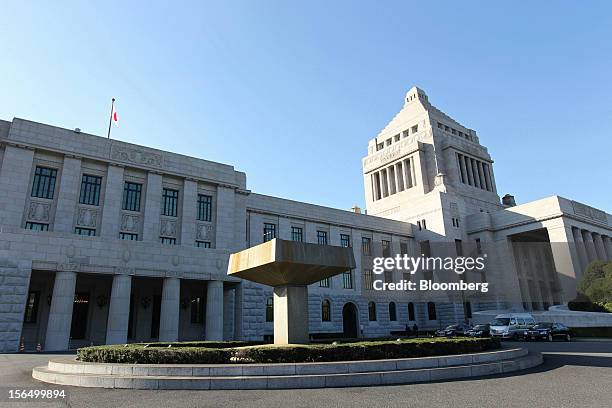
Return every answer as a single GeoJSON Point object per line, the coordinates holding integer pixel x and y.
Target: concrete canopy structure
{"type": "Point", "coordinates": [290, 266]}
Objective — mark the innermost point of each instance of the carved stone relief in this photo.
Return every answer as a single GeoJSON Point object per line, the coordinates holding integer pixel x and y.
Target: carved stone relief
{"type": "Point", "coordinates": [39, 211]}
{"type": "Point", "coordinates": [87, 217]}
{"type": "Point", "coordinates": [167, 228]}
{"type": "Point", "coordinates": [204, 232]}
{"type": "Point", "coordinates": [131, 155]}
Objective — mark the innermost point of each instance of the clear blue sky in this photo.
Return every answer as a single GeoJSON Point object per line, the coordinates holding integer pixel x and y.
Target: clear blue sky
{"type": "Point", "coordinates": [290, 92]}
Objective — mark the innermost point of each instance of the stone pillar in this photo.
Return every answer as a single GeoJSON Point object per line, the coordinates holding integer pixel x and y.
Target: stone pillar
{"type": "Point", "coordinates": [113, 199]}
{"type": "Point", "coordinates": [152, 208]}
{"type": "Point", "coordinates": [60, 314]}
{"type": "Point", "coordinates": [399, 176]}
{"type": "Point", "coordinates": [487, 175]}
{"type": "Point", "coordinates": [228, 313]}
{"type": "Point", "coordinates": [224, 237]}
{"type": "Point", "coordinates": [599, 247]}
{"type": "Point", "coordinates": [291, 314]}
{"type": "Point", "coordinates": [214, 310]}
{"type": "Point", "coordinates": [565, 258]}
{"type": "Point", "coordinates": [384, 181]}
{"type": "Point", "coordinates": [189, 213]}
{"type": "Point", "coordinates": [67, 195]}
{"type": "Point", "coordinates": [391, 180]}
{"type": "Point", "coordinates": [608, 246]}
{"type": "Point", "coordinates": [470, 171]}
{"type": "Point", "coordinates": [169, 319]}
{"type": "Point", "coordinates": [587, 236]}
{"type": "Point", "coordinates": [580, 249]}
{"type": "Point", "coordinates": [475, 172]}
{"type": "Point", "coordinates": [14, 183]}
{"type": "Point", "coordinates": [238, 304]}
{"type": "Point", "coordinates": [464, 176]}
{"type": "Point", "coordinates": [14, 283]}
{"type": "Point", "coordinates": [119, 310]}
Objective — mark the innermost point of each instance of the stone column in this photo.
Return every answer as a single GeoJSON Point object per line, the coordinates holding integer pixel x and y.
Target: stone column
{"type": "Point", "coordinates": [608, 246]}
{"type": "Point", "coordinates": [580, 249]}
{"type": "Point", "coordinates": [214, 310]}
{"type": "Point", "coordinates": [384, 182]}
{"type": "Point", "coordinates": [60, 314]}
{"type": "Point", "coordinates": [169, 319]}
{"type": "Point", "coordinates": [419, 171]}
{"type": "Point", "coordinates": [599, 247]}
{"type": "Point", "coordinates": [119, 310]}
{"type": "Point", "coordinates": [67, 195]}
{"type": "Point", "coordinates": [290, 314]}
{"type": "Point", "coordinates": [113, 199]}
{"type": "Point", "coordinates": [565, 258]}
{"type": "Point", "coordinates": [399, 182]}
{"type": "Point", "coordinates": [462, 169]}
{"type": "Point", "coordinates": [475, 172]}
{"type": "Point", "coordinates": [238, 294]}
{"type": "Point", "coordinates": [14, 184]}
{"type": "Point", "coordinates": [487, 175]}
{"type": "Point", "coordinates": [470, 171]}
{"type": "Point", "coordinates": [587, 236]}
{"type": "Point", "coordinates": [152, 208]}
{"type": "Point", "coordinates": [228, 313]}
{"type": "Point", "coordinates": [189, 213]}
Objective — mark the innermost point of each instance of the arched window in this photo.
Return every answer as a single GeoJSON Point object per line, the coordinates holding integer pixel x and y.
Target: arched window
{"type": "Point", "coordinates": [392, 312]}
{"type": "Point", "coordinates": [326, 310]}
{"type": "Point", "coordinates": [372, 311]}
{"type": "Point", "coordinates": [269, 309]}
{"type": "Point", "coordinates": [411, 312]}
{"type": "Point", "coordinates": [431, 311]}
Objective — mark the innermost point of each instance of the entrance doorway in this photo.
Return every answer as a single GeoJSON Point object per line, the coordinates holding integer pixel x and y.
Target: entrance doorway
{"type": "Point", "coordinates": [80, 311]}
{"type": "Point", "coordinates": [349, 320]}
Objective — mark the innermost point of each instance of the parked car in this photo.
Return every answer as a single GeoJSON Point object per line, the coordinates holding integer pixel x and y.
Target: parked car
{"type": "Point", "coordinates": [511, 325]}
{"type": "Point", "coordinates": [549, 332]}
{"type": "Point", "coordinates": [453, 330]}
{"type": "Point", "coordinates": [480, 330]}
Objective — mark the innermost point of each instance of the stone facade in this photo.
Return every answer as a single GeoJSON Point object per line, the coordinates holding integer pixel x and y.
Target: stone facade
{"type": "Point", "coordinates": [87, 260]}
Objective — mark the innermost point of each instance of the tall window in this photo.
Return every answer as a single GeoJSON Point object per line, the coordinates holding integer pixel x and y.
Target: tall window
{"type": "Point", "coordinates": [392, 312]}
{"type": "Point", "coordinates": [431, 311]}
{"type": "Point", "coordinates": [131, 196]}
{"type": "Point", "coordinates": [404, 248]}
{"type": "Point", "coordinates": [411, 312]}
{"type": "Point", "coordinates": [322, 237]}
{"type": "Point", "coordinates": [347, 280]}
{"type": "Point", "coordinates": [269, 232]}
{"type": "Point", "coordinates": [90, 190]}
{"type": "Point", "coordinates": [269, 309]}
{"type": "Point", "coordinates": [170, 202]}
{"type": "Point", "coordinates": [324, 283]}
{"type": "Point", "coordinates": [345, 240]}
{"type": "Point", "coordinates": [368, 279]}
{"type": "Point", "coordinates": [459, 247]}
{"type": "Point", "coordinates": [197, 310]}
{"type": "Point", "coordinates": [467, 309]}
{"type": "Point", "coordinates": [204, 207]}
{"type": "Point", "coordinates": [386, 248]}
{"type": "Point", "coordinates": [44, 182]}
{"type": "Point", "coordinates": [326, 310]}
{"type": "Point", "coordinates": [31, 311]}
{"type": "Point", "coordinates": [366, 246]}
{"type": "Point", "coordinates": [296, 234]}
{"type": "Point", "coordinates": [372, 311]}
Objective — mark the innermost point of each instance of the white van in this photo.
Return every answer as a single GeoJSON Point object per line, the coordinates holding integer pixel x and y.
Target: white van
{"type": "Point", "coordinates": [511, 325]}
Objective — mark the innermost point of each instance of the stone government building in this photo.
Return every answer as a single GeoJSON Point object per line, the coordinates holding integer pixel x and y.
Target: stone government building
{"type": "Point", "coordinates": [103, 241]}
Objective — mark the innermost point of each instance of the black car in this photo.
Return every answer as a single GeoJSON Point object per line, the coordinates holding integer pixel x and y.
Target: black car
{"type": "Point", "coordinates": [549, 332]}
{"type": "Point", "coordinates": [453, 330]}
{"type": "Point", "coordinates": [480, 330]}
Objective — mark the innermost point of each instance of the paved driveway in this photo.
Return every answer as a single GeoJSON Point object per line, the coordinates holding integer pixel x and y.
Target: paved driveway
{"type": "Point", "coordinates": [577, 374]}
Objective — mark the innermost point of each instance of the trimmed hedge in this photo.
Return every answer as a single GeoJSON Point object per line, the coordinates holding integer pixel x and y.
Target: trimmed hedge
{"type": "Point", "coordinates": [592, 331]}
{"type": "Point", "coordinates": [365, 350]}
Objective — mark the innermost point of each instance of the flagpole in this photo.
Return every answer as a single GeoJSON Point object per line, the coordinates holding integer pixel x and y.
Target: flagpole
{"type": "Point", "coordinates": [110, 120]}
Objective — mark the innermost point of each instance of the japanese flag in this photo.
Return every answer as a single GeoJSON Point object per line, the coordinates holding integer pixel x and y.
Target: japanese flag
{"type": "Point", "coordinates": [114, 116]}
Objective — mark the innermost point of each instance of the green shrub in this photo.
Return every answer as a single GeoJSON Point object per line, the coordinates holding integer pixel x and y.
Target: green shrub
{"type": "Point", "coordinates": [178, 353]}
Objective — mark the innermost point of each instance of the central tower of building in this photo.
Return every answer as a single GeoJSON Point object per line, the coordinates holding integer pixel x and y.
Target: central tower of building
{"type": "Point", "coordinates": [427, 169]}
